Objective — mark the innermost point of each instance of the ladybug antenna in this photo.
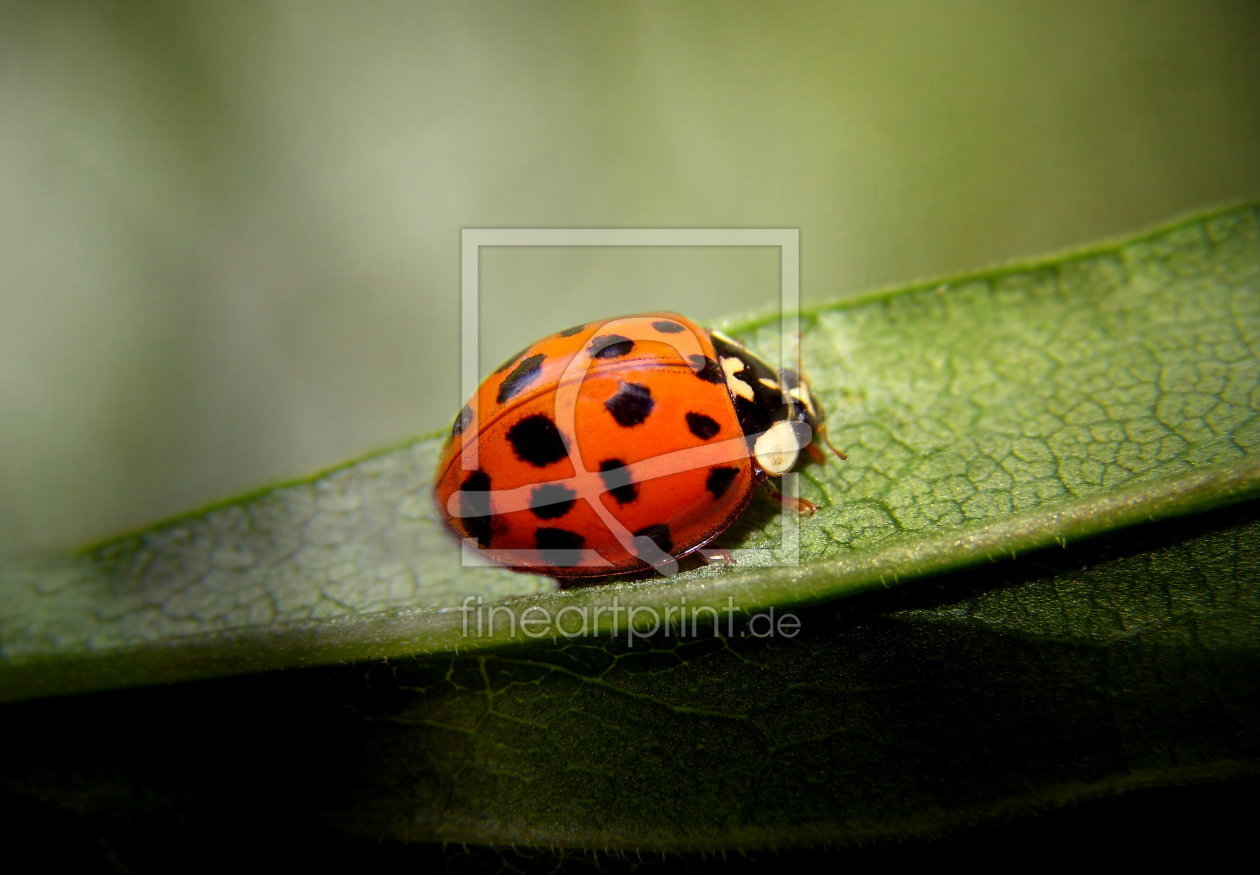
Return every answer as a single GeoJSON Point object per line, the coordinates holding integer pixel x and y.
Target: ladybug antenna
{"type": "Point", "coordinates": [822, 426]}
{"type": "Point", "coordinates": [800, 367]}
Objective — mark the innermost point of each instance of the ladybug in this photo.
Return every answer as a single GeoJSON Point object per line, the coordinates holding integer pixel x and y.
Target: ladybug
{"type": "Point", "coordinates": [620, 446]}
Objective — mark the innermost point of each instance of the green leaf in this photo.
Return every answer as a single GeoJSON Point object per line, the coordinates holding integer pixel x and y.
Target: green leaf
{"type": "Point", "coordinates": [984, 416]}
{"type": "Point", "coordinates": [1021, 408]}
{"type": "Point", "coordinates": [1125, 663]}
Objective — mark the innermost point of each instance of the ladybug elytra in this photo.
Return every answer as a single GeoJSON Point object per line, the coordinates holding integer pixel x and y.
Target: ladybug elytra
{"type": "Point", "coordinates": [619, 446]}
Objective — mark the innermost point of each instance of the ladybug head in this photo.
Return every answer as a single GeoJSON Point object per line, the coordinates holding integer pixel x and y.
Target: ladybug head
{"type": "Point", "coordinates": [796, 422]}
{"type": "Point", "coordinates": [801, 403]}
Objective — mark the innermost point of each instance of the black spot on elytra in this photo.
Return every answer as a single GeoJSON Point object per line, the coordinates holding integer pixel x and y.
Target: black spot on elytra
{"type": "Point", "coordinates": [658, 535]}
{"type": "Point", "coordinates": [631, 405]}
{"type": "Point", "coordinates": [707, 369]}
{"type": "Point", "coordinates": [462, 421]}
{"type": "Point", "coordinates": [703, 427]}
{"type": "Point", "coordinates": [536, 440]}
{"type": "Point", "coordinates": [474, 507]}
{"type": "Point", "coordinates": [551, 501]}
{"type": "Point", "coordinates": [522, 375]}
{"type": "Point", "coordinates": [610, 346]}
{"type": "Point", "coordinates": [508, 363]}
{"type": "Point", "coordinates": [555, 544]}
{"type": "Point", "coordinates": [719, 480]}
{"type": "Point", "coordinates": [576, 329]}
{"type": "Point", "coordinates": [617, 481]}
{"type": "Point", "coordinates": [667, 327]}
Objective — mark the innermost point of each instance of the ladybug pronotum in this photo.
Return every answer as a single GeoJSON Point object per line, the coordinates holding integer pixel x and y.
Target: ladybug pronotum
{"type": "Point", "coordinates": [619, 446]}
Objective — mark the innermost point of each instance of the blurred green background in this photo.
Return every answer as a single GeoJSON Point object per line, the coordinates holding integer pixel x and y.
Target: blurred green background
{"type": "Point", "coordinates": [229, 231]}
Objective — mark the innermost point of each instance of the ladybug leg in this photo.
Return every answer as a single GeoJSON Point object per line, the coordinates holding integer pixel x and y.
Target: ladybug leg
{"type": "Point", "coordinates": [718, 554]}
{"type": "Point", "coordinates": [822, 433]}
{"type": "Point", "coordinates": [815, 452]}
{"type": "Point", "coordinates": [802, 506]}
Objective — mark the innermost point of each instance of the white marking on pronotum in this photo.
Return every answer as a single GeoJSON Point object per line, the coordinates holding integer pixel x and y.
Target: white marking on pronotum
{"type": "Point", "coordinates": [770, 384]}
{"type": "Point", "coordinates": [777, 448]}
{"type": "Point", "coordinates": [737, 385]}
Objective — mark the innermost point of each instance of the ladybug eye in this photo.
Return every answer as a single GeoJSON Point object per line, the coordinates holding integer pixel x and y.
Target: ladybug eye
{"type": "Point", "coordinates": [798, 390]}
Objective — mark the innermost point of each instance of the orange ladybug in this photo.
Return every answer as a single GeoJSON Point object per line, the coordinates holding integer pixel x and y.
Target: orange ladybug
{"type": "Point", "coordinates": [619, 446]}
